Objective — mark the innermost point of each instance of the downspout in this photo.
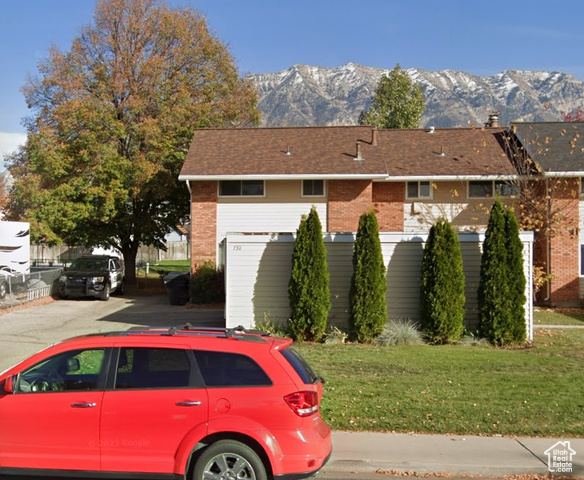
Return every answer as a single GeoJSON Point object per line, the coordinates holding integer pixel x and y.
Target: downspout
{"type": "Point", "coordinates": [548, 242]}
{"type": "Point", "coordinates": [190, 237]}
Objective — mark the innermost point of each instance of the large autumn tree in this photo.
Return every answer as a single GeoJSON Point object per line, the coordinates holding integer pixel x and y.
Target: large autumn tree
{"type": "Point", "coordinates": [112, 120]}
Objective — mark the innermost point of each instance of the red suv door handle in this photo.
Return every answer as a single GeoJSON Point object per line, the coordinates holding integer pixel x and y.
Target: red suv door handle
{"type": "Point", "coordinates": [83, 405]}
{"type": "Point", "coordinates": [188, 404]}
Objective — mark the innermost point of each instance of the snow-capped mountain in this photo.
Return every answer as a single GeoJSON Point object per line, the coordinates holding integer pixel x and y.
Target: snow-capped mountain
{"type": "Point", "coordinates": [309, 95]}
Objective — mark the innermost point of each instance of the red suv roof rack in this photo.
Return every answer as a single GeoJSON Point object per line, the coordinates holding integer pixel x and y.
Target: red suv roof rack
{"type": "Point", "coordinates": [236, 332]}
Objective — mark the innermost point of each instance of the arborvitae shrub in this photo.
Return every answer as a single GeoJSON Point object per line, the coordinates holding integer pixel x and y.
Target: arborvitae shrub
{"type": "Point", "coordinates": [500, 301]}
{"type": "Point", "coordinates": [368, 286]}
{"type": "Point", "coordinates": [309, 285]}
{"type": "Point", "coordinates": [442, 297]}
{"type": "Point", "coordinates": [493, 284]}
{"type": "Point", "coordinates": [517, 280]}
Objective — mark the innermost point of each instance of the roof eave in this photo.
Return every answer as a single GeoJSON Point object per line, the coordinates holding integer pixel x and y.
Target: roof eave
{"type": "Point", "coordinates": [315, 176]}
{"type": "Point", "coordinates": [573, 174]}
{"type": "Point", "coordinates": [450, 178]}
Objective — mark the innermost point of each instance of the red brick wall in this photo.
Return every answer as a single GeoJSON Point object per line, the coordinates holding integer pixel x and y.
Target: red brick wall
{"type": "Point", "coordinates": [347, 201]}
{"type": "Point", "coordinates": [565, 244]}
{"type": "Point", "coordinates": [388, 204]}
{"type": "Point", "coordinates": [203, 223]}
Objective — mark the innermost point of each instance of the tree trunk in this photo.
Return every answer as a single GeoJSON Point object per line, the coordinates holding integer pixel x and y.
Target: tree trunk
{"type": "Point", "coordinates": [129, 252]}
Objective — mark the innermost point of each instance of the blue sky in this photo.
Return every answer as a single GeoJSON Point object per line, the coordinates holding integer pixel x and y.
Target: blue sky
{"type": "Point", "coordinates": [479, 37]}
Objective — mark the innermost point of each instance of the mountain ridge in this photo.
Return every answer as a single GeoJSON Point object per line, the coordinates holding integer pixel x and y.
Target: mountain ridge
{"type": "Point", "coordinates": [306, 95]}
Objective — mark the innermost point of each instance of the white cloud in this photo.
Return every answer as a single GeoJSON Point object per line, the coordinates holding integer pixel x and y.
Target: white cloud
{"type": "Point", "coordinates": [9, 142]}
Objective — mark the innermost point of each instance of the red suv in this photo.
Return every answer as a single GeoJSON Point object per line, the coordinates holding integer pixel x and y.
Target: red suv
{"type": "Point", "coordinates": [181, 403]}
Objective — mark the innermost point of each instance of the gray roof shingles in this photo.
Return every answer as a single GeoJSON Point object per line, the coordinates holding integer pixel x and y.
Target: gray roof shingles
{"type": "Point", "coordinates": [556, 147]}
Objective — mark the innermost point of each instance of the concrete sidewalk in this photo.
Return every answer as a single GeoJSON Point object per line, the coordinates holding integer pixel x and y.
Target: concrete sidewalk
{"type": "Point", "coordinates": [366, 453]}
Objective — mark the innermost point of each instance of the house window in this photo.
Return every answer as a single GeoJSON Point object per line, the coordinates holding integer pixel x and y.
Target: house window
{"type": "Point", "coordinates": [313, 188]}
{"type": "Point", "coordinates": [419, 190]}
{"type": "Point", "coordinates": [241, 188]}
{"type": "Point", "coordinates": [506, 189]}
{"type": "Point", "coordinates": [581, 185]}
{"type": "Point", "coordinates": [490, 188]}
{"type": "Point", "coordinates": [582, 260]}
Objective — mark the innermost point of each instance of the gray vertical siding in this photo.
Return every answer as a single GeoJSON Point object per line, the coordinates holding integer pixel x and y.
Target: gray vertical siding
{"type": "Point", "coordinates": [258, 270]}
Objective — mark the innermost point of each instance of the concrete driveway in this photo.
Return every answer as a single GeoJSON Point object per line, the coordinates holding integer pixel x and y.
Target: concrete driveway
{"type": "Point", "coordinates": [27, 330]}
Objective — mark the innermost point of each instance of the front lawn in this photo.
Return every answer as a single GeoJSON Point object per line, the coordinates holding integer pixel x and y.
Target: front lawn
{"type": "Point", "coordinates": [165, 266]}
{"type": "Point", "coordinates": [152, 281]}
{"type": "Point", "coordinates": [558, 316]}
{"type": "Point", "coordinates": [456, 389]}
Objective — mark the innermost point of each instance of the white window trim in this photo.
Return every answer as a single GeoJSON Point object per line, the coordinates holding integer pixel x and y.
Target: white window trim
{"type": "Point", "coordinates": [303, 195]}
{"type": "Point", "coordinates": [419, 197]}
{"type": "Point", "coordinates": [239, 196]}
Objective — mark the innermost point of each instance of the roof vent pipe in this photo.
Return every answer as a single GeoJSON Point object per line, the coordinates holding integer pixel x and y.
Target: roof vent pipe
{"type": "Point", "coordinates": [493, 121]}
{"type": "Point", "coordinates": [374, 137]}
{"type": "Point", "coordinates": [431, 130]}
{"type": "Point", "coordinates": [359, 156]}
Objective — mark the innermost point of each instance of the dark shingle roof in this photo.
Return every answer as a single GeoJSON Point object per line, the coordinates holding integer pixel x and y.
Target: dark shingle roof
{"type": "Point", "coordinates": [556, 147]}
{"type": "Point", "coordinates": [331, 151]}
{"type": "Point", "coordinates": [262, 151]}
{"type": "Point", "coordinates": [446, 152]}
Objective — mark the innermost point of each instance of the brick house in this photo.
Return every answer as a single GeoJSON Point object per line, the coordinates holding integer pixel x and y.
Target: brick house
{"type": "Point", "coordinates": [261, 180]}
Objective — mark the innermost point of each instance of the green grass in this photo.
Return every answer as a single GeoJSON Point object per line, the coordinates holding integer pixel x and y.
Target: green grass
{"type": "Point", "coordinates": [566, 316]}
{"type": "Point", "coordinates": [161, 268]}
{"type": "Point", "coordinates": [480, 390]}
{"type": "Point", "coordinates": [173, 265]}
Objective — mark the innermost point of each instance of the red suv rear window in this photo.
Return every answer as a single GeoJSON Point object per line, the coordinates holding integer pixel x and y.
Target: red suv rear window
{"type": "Point", "coordinates": [226, 369]}
{"type": "Point", "coordinates": [301, 366]}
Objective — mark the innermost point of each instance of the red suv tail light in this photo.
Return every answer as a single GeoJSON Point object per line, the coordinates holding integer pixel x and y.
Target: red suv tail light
{"type": "Point", "coordinates": [303, 404]}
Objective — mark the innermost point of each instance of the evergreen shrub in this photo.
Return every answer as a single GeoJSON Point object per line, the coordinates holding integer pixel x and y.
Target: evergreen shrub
{"type": "Point", "coordinates": [309, 285]}
{"type": "Point", "coordinates": [516, 279]}
{"type": "Point", "coordinates": [501, 294]}
{"type": "Point", "coordinates": [368, 285]}
{"type": "Point", "coordinates": [442, 296]}
{"type": "Point", "coordinates": [207, 285]}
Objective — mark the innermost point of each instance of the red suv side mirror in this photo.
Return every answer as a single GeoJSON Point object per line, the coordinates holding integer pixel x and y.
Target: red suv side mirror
{"type": "Point", "coordinates": [8, 385]}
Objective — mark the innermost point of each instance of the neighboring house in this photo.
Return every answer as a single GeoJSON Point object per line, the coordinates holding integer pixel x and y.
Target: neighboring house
{"type": "Point", "coordinates": [550, 158]}
{"type": "Point", "coordinates": [179, 234]}
{"type": "Point", "coordinates": [261, 180]}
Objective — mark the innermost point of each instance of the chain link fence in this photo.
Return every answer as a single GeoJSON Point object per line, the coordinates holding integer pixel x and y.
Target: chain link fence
{"type": "Point", "coordinates": [48, 263]}
{"type": "Point", "coordinates": [17, 289]}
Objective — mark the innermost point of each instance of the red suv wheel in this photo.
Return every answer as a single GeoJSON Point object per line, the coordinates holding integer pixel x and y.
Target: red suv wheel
{"type": "Point", "coordinates": [229, 459]}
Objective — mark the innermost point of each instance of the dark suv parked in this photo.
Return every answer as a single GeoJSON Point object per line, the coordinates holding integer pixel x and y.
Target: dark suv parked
{"type": "Point", "coordinates": [93, 276]}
